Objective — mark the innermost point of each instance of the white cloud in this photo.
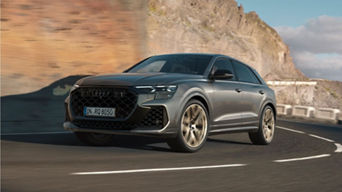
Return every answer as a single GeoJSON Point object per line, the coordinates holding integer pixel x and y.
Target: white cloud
{"type": "Point", "coordinates": [328, 66]}
{"type": "Point", "coordinates": [316, 46]}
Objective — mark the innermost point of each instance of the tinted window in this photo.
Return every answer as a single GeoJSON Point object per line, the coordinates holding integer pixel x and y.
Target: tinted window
{"type": "Point", "coordinates": [244, 74]}
{"type": "Point", "coordinates": [223, 64]}
{"type": "Point", "coordinates": [258, 77]}
{"type": "Point", "coordinates": [188, 64]}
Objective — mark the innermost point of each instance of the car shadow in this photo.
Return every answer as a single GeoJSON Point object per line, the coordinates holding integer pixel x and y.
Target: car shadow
{"type": "Point", "coordinates": [119, 141]}
{"type": "Point", "coordinates": [69, 139]}
{"type": "Point", "coordinates": [227, 141]}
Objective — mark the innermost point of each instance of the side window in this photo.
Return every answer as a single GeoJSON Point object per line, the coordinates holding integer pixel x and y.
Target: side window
{"type": "Point", "coordinates": [223, 63]}
{"type": "Point", "coordinates": [257, 75]}
{"type": "Point", "coordinates": [244, 74]}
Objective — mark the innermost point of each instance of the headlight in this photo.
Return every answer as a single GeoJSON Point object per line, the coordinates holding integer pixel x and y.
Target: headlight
{"type": "Point", "coordinates": [75, 86]}
{"type": "Point", "coordinates": [160, 91]}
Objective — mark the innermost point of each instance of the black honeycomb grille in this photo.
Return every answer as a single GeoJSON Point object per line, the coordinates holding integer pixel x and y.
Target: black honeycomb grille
{"type": "Point", "coordinates": [155, 118]}
{"type": "Point", "coordinates": [123, 100]}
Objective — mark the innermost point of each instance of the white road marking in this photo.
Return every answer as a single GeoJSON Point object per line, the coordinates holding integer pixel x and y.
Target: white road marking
{"type": "Point", "coordinates": [322, 138]}
{"type": "Point", "coordinates": [158, 169]}
{"type": "Point", "coordinates": [292, 130]}
{"type": "Point", "coordinates": [36, 133]}
{"type": "Point", "coordinates": [338, 148]}
{"type": "Point", "coordinates": [301, 158]}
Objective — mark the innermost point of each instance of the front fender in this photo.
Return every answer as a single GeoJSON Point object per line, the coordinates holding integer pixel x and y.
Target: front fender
{"type": "Point", "coordinates": [193, 92]}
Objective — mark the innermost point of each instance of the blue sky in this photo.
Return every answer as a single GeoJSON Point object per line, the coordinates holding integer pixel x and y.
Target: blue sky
{"type": "Point", "coordinates": [311, 28]}
{"type": "Point", "coordinates": [292, 12]}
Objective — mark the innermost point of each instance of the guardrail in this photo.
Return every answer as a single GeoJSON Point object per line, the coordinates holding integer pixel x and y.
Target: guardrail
{"type": "Point", "coordinates": [327, 113]}
{"type": "Point", "coordinates": [310, 112]}
{"type": "Point", "coordinates": [303, 111]}
{"type": "Point", "coordinates": [283, 109]}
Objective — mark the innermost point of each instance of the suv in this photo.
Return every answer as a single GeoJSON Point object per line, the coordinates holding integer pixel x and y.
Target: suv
{"type": "Point", "coordinates": [180, 97]}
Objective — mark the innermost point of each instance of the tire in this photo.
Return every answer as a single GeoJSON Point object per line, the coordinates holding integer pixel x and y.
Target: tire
{"type": "Point", "coordinates": [95, 139]}
{"type": "Point", "coordinates": [193, 128]}
{"type": "Point", "coordinates": [265, 133]}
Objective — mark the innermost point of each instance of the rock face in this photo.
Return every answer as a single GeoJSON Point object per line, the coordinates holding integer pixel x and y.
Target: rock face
{"type": "Point", "coordinates": [326, 94]}
{"type": "Point", "coordinates": [218, 26]}
{"type": "Point", "coordinates": [43, 41]}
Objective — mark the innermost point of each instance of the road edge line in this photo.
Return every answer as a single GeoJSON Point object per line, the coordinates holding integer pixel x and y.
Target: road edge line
{"type": "Point", "coordinates": [157, 169]}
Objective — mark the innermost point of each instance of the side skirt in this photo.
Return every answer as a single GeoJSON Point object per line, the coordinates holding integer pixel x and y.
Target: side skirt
{"type": "Point", "coordinates": [233, 130]}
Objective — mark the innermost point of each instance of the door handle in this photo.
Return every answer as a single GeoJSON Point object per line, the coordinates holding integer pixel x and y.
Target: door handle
{"type": "Point", "coordinates": [238, 90]}
{"type": "Point", "coordinates": [261, 92]}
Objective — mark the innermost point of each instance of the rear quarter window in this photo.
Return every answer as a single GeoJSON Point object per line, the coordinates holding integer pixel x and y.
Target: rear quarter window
{"type": "Point", "coordinates": [244, 73]}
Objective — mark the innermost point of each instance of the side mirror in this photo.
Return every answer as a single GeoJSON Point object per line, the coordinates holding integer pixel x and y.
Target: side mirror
{"type": "Point", "coordinates": [222, 74]}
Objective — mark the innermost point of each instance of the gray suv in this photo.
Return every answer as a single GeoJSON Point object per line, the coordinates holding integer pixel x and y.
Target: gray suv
{"type": "Point", "coordinates": [180, 97]}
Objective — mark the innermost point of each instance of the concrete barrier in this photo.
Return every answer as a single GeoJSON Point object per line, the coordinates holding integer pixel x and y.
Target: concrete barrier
{"type": "Point", "coordinates": [283, 109]}
{"type": "Point", "coordinates": [319, 114]}
{"type": "Point", "coordinates": [327, 113]}
{"type": "Point", "coordinates": [303, 111]}
{"type": "Point", "coordinates": [287, 83]}
{"type": "Point", "coordinates": [339, 119]}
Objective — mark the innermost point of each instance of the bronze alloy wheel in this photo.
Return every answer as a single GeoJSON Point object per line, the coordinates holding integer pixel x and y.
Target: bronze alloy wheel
{"type": "Point", "coordinates": [268, 125]}
{"type": "Point", "coordinates": [194, 125]}
{"type": "Point", "coordinates": [265, 133]}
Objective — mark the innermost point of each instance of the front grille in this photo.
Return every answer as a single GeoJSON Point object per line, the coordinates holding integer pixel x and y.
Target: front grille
{"type": "Point", "coordinates": [155, 118]}
{"type": "Point", "coordinates": [122, 99]}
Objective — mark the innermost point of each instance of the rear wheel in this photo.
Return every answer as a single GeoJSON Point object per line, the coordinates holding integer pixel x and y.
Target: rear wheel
{"type": "Point", "coordinates": [95, 139]}
{"type": "Point", "coordinates": [265, 133]}
{"type": "Point", "coordinates": [193, 129]}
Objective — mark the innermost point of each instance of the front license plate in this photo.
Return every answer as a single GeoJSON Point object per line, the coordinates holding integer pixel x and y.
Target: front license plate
{"type": "Point", "coordinates": [99, 112]}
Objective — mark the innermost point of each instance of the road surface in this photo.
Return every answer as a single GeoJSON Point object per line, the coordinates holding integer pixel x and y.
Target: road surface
{"type": "Point", "coordinates": [303, 157]}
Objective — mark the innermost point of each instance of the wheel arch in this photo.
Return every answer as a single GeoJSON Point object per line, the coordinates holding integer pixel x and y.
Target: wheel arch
{"type": "Point", "coordinates": [272, 106]}
{"type": "Point", "coordinates": [202, 100]}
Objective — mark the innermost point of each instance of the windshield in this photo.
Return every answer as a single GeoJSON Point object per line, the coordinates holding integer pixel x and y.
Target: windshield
{"type": "Point", "coordinates": [188, 64]}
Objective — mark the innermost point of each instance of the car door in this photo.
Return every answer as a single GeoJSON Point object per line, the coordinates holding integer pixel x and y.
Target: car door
{"type": "Point", "coordinates": [252, 92]}
{"type": "Point", "coordinates": [226, 97]}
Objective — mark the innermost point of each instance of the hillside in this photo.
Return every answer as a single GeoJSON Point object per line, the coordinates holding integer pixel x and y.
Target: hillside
{"type": "Point", "coordinates": [325, 94]}
{"type": "Point", "coordinates": [43, 41]}
{"type": "Point", "coordinates": [218, 26]}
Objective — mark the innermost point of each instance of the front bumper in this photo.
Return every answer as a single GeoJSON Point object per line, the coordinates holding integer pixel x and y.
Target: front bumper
{"type": "Point", "coordinates": [71, 127]}
{"type": "Point", "coordinates": [150, 117]}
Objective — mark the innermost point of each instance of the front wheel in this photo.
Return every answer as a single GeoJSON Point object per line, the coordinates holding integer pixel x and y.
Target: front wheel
{"type": "Point", "coordinates": [265, 133]}
{"type": "Point", "coordinates": [95, 139]}
{"type": "Point", "coordinates": [193, 128]}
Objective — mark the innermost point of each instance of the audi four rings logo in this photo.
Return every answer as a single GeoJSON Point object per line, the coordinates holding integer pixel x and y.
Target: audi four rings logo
{"type": "Point", "coordinates": [102, 93]}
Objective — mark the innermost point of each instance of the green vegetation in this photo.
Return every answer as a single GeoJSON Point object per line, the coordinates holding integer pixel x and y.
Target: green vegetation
{"type": "Point", "coordinates": [332, 93]}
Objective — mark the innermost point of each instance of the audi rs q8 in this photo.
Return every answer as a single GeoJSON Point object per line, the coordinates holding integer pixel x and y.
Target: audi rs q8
{"type": "Point", "coordinates": [182, 98]}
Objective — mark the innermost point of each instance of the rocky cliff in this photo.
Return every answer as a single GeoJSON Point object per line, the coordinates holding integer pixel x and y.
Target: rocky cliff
{"type": "Point", "coordinates": [43, 41]}
{"type": "Point", "coordinates": [218, 26]}
{"type": "Point", "coordinates": [325, 94]}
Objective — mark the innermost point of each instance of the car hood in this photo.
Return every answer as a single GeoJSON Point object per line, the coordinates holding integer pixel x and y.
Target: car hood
{"type": "Point", "coordinates": [133, 79]}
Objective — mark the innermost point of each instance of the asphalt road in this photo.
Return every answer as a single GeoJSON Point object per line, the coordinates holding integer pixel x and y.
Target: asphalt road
{"type": "Point", "coordinates": [56, 162]}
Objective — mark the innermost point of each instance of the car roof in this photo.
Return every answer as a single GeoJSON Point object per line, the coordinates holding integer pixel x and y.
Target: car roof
{"type": "Point", "coordinates": [208, 54]}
